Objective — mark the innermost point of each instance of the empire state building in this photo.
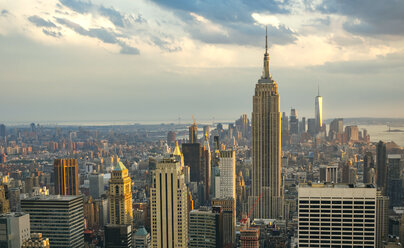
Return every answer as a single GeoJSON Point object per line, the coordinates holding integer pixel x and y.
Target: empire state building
{"type": "Point", "coordinates": [267, 191]}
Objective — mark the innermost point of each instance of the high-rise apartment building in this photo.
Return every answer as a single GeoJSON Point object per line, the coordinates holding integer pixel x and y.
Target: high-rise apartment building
{"type": "Point", "coordinates": [266, 148]}
{"type": "Point", "coordinates": [338, 215]}
{"type": "Point", "coordinates": [2, 131]}
{"type": "Point", "coordinates": [192, 158]}
{"type": "Point", "coordinates": [381, 167]}
{"type": "Point", "coordinates": [311, 126]}
{"type": "Point", "coordinates": [394, 182]}
{"type": "Point", "coordinates": [368, 164]}
{"type": "Point", "coordinates": [66, 177]}
{"type": "Point", "coordinates": [169, 213]}
{"type": "Point", "coordinates": [141, 239]}
{"type": "Point", "coordinates": [293, 122]}
{"type": "Point", "coordinates": [14, 229]}
{"type": "Point", "coordinates": [229, 219]}
{"type": "Point", "coordinates": [59, 218]}
{"type": "Point", "coordinates": [96, 185]}
{"type": "Point", "coordinates": [118, 236]}
{"type": "Point", "coordinates": [329, 173]}
{"type": "Point", "coordinates": [193, 133]}
{"type": "Point", "coordinates": [319, 111]}
{"type": "Point", "coordinates": [249, 238]}
{"type": "Point", "coordinates": [4, 203]}
{"type": "Point", "coordinates": [206, 227]}
{"type": "Point", "coordinates": [285, 122]}
{"type": "Point", "coordinates": [226, 185]}
{"type": "Point", "coordinates": [206, 168]}
{"type": "Point", "coordinates": [352, 133]}
{"type": "Point", "coordinates": [302, 125]}
{"type": "Point", "coordinates": [120, 196]}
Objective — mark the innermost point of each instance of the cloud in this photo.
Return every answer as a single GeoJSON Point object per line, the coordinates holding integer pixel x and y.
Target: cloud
{"type": "Point", "coordinates": [101, 34]}
{"type": "Point", "coordinates": [232, 21]}
{"type": "Point", "coordinates": [126, 49]}
{"type": "Point", "coordinates": [78, 6]}
{"type": "Point", "coordinates": [3, 12]}
{"type": "Point", "coordinates": [382, 64]}
{"type": "Point", "coordinates": [226, 11]}
{"type": "Point", "coordinates": [207, 31]}
{"type": "Point", "coordinates": [113, 15]}
{"type": "Point", "coordinates": [366, 17]}
{"type": "Point", "coordinates": [116, 17]}
{"type": "Point", "coordinates": [55, 34]}
{"type": "Point", "coordinates": [39, 22]}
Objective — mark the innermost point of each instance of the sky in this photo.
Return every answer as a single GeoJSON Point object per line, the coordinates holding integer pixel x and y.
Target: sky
{"type": "Point", "coordinates": [161, 60]}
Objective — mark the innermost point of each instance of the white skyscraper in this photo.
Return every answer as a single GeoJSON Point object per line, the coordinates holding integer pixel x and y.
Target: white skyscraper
{"type": "Point", "coordinates": [169, 208]}
{"type": "Point", "coordinates": [340, 215]}
{"type": "Point", "coordinates": [226, 184]}
{"type": "Point", "coordinates": [319, 112]}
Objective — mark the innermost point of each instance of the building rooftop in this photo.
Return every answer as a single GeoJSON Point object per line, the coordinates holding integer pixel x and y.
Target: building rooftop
{"type": "Point", "coordinates": [53, 197]}
{"type": "Point", "coordinates": [119, 167]}
{"type": "Point", "coordinates": [141, 232]}
{"type": "Point", "coordinates": [335, 185]}
{"type": "Point", "coordinates": [12, 214]}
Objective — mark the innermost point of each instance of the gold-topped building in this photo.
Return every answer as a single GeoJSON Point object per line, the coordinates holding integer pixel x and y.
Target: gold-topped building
{"type": "Point", "coordinates": [267, 189]}
{"type": "Point", "coordinates": [120, 196]}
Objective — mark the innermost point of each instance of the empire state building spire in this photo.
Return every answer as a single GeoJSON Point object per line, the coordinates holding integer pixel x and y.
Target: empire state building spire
{"type": "Point", "coordinates": [265, 72]}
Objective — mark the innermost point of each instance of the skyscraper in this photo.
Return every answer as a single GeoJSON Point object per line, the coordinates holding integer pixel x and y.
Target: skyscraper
{"type": "Point", "coordinates": [395, 184]}
{"type": "Point", "coordinates": [381, 166]}
{"type": "Point", "coordinates": [227, 181]}
{"type": "Point", "coordinates": [319, 111]}
{"type": "Point", "coordinates": [339, 215]}
{"type": "Point", "coordinates": [120, 196]}
{"type": "Point", "coordinates": [118, 236]}
{"type": "Point", "coordinates": [14, 229]}
{"type": "Point", "coordinates": [193, 132]}
{"type": "Point", "coordinates": [66, 176]}
{"type": "Point", "coordinates": [59, 218]}
{"type": "Point", "coordinates": [294, 122]}
{"type": "Point", "coordinates": [206, 167]}
{"type": "Point", "coordinates": [368, 164]}
{"type": "Point", "coordinates": [229, 219]}
{"type": "Point", "coordinates": [2, 131]}
{"type": "Point", "coordinates": [96, 185]}
{"type": "Point", "coordinates": [266, 147]}
{"type": "Point", "coordinates": [206, 227]}
{"type": "Point", "coordinates": [169, 209]}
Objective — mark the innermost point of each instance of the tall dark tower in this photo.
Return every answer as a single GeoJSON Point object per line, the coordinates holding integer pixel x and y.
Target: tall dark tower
{"type": "Point", "coordinates": [193, 132]}
{"type": "Point", "coordinates": [266, 147]}
{"type": "Point", "coordinates": [381, 170]}
{"type": "Point", "coordinates": [66, 177]}
{"type": "Point", "coordinates": [368, 164]}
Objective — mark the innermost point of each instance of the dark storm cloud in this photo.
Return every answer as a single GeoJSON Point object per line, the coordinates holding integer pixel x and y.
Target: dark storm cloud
{"type": "Point", "coordinates": [40, 22]}
{"type": "Point", "coordinates": [234, 16]}
{"type": "Point", "coordinates": [367, 17]}
{"type": "Point", "coordinates": [101, 34]}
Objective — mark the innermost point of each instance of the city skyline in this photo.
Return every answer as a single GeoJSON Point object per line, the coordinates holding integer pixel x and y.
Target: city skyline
{"type": "Point", "coordinates": [108, 60]}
